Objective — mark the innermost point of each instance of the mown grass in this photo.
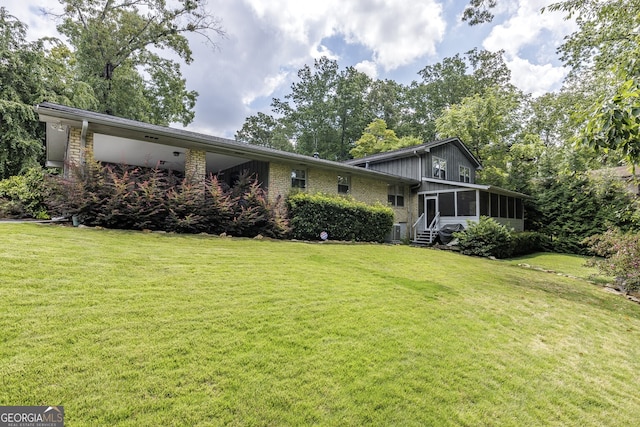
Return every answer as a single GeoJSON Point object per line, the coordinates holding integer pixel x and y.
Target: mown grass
{"type": "Point", "coordinates": [135, 329]}
{"type": "Point", "coordinates": [573, 265]}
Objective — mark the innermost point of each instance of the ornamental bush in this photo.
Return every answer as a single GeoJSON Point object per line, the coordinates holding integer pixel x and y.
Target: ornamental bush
{"type": "Point", "coordinates": [23, 196]}
{"type": "Point", "coordinates": [341, 217]}
{"type": "Point", "coordinates": [485, 238]}
{"type": "Point", "coordinates": [620, 257]}
{"type": "Point", "coordinates": [116, 196]}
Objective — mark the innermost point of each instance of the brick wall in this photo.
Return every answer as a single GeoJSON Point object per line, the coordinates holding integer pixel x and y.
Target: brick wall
{"type": "Point", "coordinates": [366, 190]}
{"type": "Point", "coordinates": [369, 190]}
{"type": "Point", "coordinates": [76, 154]}
{"type": "Point", "coordinates": [279, 180]}
{"type": "Point", "coordinates": [195, 165]}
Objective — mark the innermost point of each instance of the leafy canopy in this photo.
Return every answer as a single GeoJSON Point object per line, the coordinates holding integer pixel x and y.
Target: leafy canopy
{"type": "Point", "coordinates": [122, 47]}
{"type": "Point", "coordinates": [378, 139]}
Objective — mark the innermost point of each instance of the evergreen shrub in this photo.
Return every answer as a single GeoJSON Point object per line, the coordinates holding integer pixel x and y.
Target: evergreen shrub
{"type": "Point", "coordinates": [23, 196]}
{"type": "Point", "coordinates": [528, 242]}
{"type": "Point", "coordinates": [485, 238]}
{"type": "Point", "coordinates": [341, 217]}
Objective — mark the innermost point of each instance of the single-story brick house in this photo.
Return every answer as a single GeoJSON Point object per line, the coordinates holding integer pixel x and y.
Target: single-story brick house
{"type": "Point", "coordinates": [404, 179]}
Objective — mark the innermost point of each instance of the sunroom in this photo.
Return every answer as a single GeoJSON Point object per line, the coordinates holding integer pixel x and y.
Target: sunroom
{"type": "Point", "coordinates": [451, 205]}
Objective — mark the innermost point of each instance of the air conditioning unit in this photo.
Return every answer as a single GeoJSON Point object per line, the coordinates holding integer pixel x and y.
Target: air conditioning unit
{"type": "Point", "coordinates": [398, 232]}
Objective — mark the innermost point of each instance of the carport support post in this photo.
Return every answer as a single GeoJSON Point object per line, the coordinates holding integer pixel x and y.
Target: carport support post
{"type": "Point", "coordinates": [79, 147]}
{"type": "Point", "coordinates": [195, 166]}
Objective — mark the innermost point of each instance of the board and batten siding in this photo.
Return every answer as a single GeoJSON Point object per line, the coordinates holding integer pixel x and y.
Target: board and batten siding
{"type": "Point", "coordinates": [408, 167]}
{"type": "Point", "coordinates": [455, 158]}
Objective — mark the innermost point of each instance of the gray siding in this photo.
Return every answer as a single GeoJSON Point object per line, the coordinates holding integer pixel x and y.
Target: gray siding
{"type": "Point", "coordinates": [455, 158]}
{"type": "Point", "coordinates": [254, 167]}
{"type": "Point", "coordinates": [407, 167]}
{"type": "Point", "coordinates": [432, 186]}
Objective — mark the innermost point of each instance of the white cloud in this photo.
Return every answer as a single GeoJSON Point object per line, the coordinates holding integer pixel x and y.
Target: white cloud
{"type": "Point", "coordinates": [367, 67]}
{"type": "Point", "coordinates": [535, 79]}
{"type": "Point", "coordinates": [269, 85]}
{"type": "Point", "coordinates": [527, 26]}
{"type": "Point", "coordinates": [396, 32]}
{"type": "Point", "coordinates": [536, 36]}
{"type": "Point", "coordinates": [30, 13]}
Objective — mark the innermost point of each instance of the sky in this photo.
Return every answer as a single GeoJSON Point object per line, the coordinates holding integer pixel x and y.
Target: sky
{"type": "Point", "coordinates": [268, 41]}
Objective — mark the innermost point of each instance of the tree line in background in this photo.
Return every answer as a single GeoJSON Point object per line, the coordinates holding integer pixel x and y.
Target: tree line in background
{"type": "Point", "coordinates": [112, 64]}
{"type": "Point", "coordinates": [543, 146]}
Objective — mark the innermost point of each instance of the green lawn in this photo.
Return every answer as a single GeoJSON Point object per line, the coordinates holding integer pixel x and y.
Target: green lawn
{"type": "Point", "coordinates": [135, 329]}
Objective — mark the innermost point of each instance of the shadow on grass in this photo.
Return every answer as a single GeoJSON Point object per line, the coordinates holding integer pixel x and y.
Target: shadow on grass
{"type": "Point", "coordinates": [428, 290]}
{"type": "Point", "coordinates": [576, 291]}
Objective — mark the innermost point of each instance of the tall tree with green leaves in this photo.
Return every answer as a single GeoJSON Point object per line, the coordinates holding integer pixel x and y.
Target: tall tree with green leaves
{"type": "Point", "coordinates": [310, 108]}
{"type": "Point", "coordinates": [606, 44]}
{"type": "Point", "coordinates": [448, 82]}
{"type": "Point", "coordinates": [119, 48]}
{"type": "Point", "coordinates": [266, 131]}
{"type": "Point", "coordinates": [21, 84]}
{"type": "Point", "coordinates": [386, 100]}
{"type": "Point", "coordinates": [377, 138]}
{"type": "Point", "coordinates": [352, 110]}
{"type": "Point", "coordinates": [327, 109]}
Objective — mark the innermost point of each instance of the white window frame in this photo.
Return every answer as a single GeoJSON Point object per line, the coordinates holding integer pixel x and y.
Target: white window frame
{"type": "Point", "coordinates": [465, 174]}
{"type": "Point", "coordinates": [299, 178]}
{"type": "Point", "coordinates": [344, 181]}
{"type": "Point", "coordinates": [439, 168]}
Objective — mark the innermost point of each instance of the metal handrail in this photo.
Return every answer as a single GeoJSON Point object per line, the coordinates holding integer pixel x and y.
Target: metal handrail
{"type": "Point", "coordinates": [415, 226]}
{"type": "Point", "coordinates": [434, 223]}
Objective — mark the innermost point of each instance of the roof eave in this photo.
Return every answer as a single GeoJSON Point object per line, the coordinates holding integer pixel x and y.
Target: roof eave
{"type": "Point", "coordinates": [165, 135]}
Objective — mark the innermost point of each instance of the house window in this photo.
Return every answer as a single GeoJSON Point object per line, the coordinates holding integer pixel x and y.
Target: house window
{"type": "Point", "coordinates": [447, 204]}
{"type": "Point", "coordinates": [396, 195]}
{"type": "Point", "coordinates": [519, 209]}
{"type": "Point", "coordinates": [465, 174]}
{"type": "Point", "coordinates": [504, 207]}
{"type": "Point", "coordinates": [466, 203]}
{"type": "Point", "coordinates": [495, 205]}
{"type": "Point", "coordinates": [439, 168]}
{"type": "Point", "coordinates": [299, 178]}
{"type": "Point", "coordinates": [485, 207]}
{"type": "Point", "coordinates": [344, 184]}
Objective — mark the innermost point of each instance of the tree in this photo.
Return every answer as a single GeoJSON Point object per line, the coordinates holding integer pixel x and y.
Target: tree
{"type": "Point", "coordinates": [352, 110]}
{"type": "Point", "coordinates": [606, 44]}
{"type": "Point", "coordinates": [266, 131]}
{"type": "Point", "coordinates": [118, 46]}
{"type": "Point", "coordinates": [478, 11]}
{"type": "Point", "coordinates": [575, 206]}
{"type": "Point", "coordinates": [448, 82]}
{"type": "Point", "coordinates": [613, 123]}
{"type": "Point", "coordinates": [20, 86]}
{"type": "Point", "coordinates": [483, 122]}
{"type": "Point", "coordinates": [378, 139]}
{"type": "Point", "coordinates": [310, 108]}
{"type": "Point", "coordinates": [386, 100]}
{"type": "Point", "coordinates": [327, 109]}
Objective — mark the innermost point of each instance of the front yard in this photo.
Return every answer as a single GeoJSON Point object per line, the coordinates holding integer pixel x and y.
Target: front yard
{"type": "Point", "coordinates": [137, 329]}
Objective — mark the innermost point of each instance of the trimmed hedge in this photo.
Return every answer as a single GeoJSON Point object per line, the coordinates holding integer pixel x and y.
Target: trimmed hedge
{"type": "Point", "coordinates": [342, 218]}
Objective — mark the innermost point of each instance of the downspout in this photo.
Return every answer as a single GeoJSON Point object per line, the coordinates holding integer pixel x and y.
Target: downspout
{"type": "Point", "coordinates": [83, 140]}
